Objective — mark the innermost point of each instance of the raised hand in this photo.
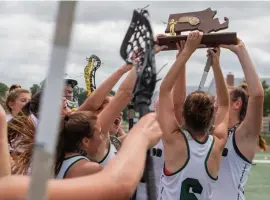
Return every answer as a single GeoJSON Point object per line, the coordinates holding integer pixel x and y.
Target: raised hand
{"type": "Point", "coordinates": [215, 56]}
{"type": "Point", "coordinates": [193, 41]}
{"type": "Point", "coordinates": [234, 48]}
{"type": "Point", "coordinates": [159, 48]}
{"type": "Point", "coordinates": [180, 46]}
{"type": "Point", "coordinates": [149, 127]}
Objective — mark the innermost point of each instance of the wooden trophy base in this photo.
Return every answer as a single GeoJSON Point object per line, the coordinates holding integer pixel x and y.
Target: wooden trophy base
{"type": "Point", "coordinates": [208, 40]}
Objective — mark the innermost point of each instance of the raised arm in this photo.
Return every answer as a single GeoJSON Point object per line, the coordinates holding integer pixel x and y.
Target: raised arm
{"type": "Point", "coordinates": [222, 116]}
{"type": "Point", "coordinates": [251, 126]}
{"type": "Point", "coordinates": [5, 168]}
{"type": "Point", "coordinates": [166, 116]}
{"type": "Point", "coordinates": [119, 178]}
{"type": "Point", "coordinates": [180, 85]}
{"type": "Point", "coordinates": [94, 101]}
{"type": "Point", "coordinates": [118, 102]}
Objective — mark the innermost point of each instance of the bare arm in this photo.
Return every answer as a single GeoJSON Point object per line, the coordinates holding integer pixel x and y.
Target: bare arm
{"type": "Point", "coordinates": [83, 168]}
{"type": "Point", "coordinates": [119, 178]}
{"type": "Point", "coordinates": [5, 168]}
{"type": "Point", "coordinates": [94, 101]}
{"type": "Point", "coordinates": [180, 85]}
{"type": "Point", "coordinates": [251, 125]}
{"type": "Point", "coordinates": [121, 132]}
{"type": "Point", "coordinates": [222, 115]}
{"type": "Point", "coordinates": [118, 102]}
{"type": "Point", "coordinates": [123, 137]}
{"type": "Point", "coordinates": [166, 115]}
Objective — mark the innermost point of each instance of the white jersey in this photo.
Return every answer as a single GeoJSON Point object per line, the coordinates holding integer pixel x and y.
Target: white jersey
{"type": "Point", "coordinates": [193, 180]}
{"type": "Point", "coordinates": [110, 154]}
{"type": "Point", "coordinates": [233, 173]}
{"type": "Point", "coordinates": [157, 153]}
{"type": "Point", "coordinates": [67, 164]}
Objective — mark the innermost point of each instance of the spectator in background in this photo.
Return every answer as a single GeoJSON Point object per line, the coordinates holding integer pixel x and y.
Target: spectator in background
{"type": "Point", "coordinates": [17, 97]}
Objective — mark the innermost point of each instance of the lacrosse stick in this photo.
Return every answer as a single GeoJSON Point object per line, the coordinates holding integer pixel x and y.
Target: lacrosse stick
{"type": "Point", "coordinates": [94, 63]}
{"type": "Point", "coordinates": [87, 71]}
{"type": "Point", "coordinates": [131, 113]}
{"type": "Point", "coordinates": [205, 72]}
{"type": "Point", "coordinates": [139, 38]}
{"type": "Point", "coordinates": [47, 130]}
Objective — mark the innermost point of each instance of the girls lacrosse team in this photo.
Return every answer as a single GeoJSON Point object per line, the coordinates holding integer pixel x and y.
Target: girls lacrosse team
{"type": "Point", "coordinates": [202, 146]}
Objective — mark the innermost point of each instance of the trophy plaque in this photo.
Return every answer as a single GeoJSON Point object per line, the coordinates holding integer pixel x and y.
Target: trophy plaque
{"type": "Point", "coordinates": [203, 21]}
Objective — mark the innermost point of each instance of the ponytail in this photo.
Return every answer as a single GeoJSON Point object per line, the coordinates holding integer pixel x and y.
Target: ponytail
{"type": "Point", "coordinates": [60, 149]}
{"type": "Point", "coordinates": [262, 143]}
{"type": "Point", "coordinates": [244, 86]}
{"type": "Point", "coordinates": [241, 92]}
{"type": "Point", "coordinates": [21, 136]}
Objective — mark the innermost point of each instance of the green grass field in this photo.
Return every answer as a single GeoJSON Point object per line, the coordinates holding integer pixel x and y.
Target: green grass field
{"type": "Point", "coordinates": [258, 186]}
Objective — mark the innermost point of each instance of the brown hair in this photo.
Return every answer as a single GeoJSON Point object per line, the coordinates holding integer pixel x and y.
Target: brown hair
{"type": "Point", "coordinates": [14, 86]}
{"type": "Point", "coordinates": [74, 127]}
{"type": "Point", "coordinates": [20, 124]}
{"type": "Point", "coordinates": [240, 92]}
{"type": "Point", "coordinates": [13, 95]}
{"type": "Point", "coordinates": [262, 143]}
{"type": "Point", "coordinates": [21, 131]}
{"type": "Point", "coordinates": [198, 111]}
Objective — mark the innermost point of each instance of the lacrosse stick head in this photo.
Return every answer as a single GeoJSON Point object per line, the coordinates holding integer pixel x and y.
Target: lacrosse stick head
{"type": "Point", "coordinates": [137, 39]}
{"type": "Point", "coordinates": [94, 63]}
{"type": "Point", "coordinates": [95, 60]}
{"type": "Point", "coordinates": [138, 49]}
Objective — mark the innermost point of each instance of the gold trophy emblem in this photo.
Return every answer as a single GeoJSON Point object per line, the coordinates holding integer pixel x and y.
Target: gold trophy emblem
{"type": "Point", "coordinates": [193, 21]}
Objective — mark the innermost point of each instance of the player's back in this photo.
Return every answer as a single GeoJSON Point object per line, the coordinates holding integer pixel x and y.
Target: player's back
{"type": "Point", "coordinates": [192, 181]}
{"type": "Point", "coordinates": [233, 173]}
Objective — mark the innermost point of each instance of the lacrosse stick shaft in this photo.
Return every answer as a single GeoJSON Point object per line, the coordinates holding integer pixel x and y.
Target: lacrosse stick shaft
{"type": "Point", "coordinates": [149, 173]}
{"type": "Point", "coordinates": [45, 143]}
{"type": "Point", "coordinates": [205, 72]}
{"type": "Point", "coordinates": [150, 177]}
{"type": "Point", "coordinates": [146, 80]}
{"type": "Point", "coordinates": [131, 116]}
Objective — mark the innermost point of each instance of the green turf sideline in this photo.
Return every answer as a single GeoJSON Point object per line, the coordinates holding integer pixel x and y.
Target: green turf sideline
{"type": "Point", "coordinates": [261, 161]}
{"type": "Point", "coordinates": [258, 185]}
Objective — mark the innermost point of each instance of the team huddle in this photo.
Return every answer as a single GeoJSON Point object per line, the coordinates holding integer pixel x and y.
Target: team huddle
{"type": "Point", "coordinates": [202, 145]}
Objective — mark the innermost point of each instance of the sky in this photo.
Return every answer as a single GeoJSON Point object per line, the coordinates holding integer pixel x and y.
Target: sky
{"type": "Point", "coordinates": [27, 30]}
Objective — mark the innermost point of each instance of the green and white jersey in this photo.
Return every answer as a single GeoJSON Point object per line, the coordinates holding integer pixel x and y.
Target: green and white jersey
{"type": "Point", "coordinates": [112, 151]}
{"type": "Point", "coordinates": [68, 163]}
{"type": "Point", "coordinates": [192, 181]}
{"type": "Point", "coordinates": [234, 171]}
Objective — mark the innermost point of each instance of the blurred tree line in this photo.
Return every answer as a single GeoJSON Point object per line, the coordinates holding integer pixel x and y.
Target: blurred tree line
{"type": "Point", "coordinates": [82, 95]}
{"type": "Point", "coordinates": [266, 106]}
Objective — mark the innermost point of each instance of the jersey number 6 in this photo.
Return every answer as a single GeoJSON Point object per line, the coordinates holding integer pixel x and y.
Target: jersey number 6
{"type": "Point", "coordinates": [187, 184]}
